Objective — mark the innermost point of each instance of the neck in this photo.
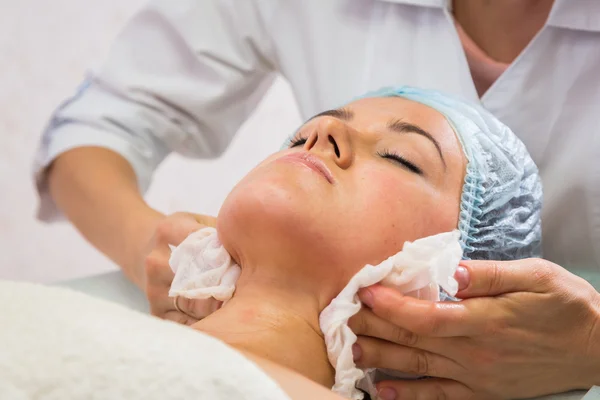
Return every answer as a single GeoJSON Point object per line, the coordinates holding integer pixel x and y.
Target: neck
{"type": "Point", "coordinates": [502, 29]}
{"type": "Point", "coordinates": [279, 324]}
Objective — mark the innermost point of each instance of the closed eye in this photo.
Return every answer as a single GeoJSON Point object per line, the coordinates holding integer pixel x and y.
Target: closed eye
{"type": "Point", "coordinates": [295, 142]}
{"type": "Point", "coordinates": [400, 160]}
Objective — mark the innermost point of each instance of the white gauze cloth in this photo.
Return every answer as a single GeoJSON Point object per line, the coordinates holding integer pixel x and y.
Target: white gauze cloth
{"type": "Point", "coordinates": [204, 270]}
{"type": "Point", "coordinates": [419, 270]}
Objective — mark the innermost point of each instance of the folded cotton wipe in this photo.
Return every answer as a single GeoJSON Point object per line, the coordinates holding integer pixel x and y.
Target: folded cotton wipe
{"type": "Point", "coordinates": [203, 269]}
{"type": "Point", "coordinates": [419, 270]}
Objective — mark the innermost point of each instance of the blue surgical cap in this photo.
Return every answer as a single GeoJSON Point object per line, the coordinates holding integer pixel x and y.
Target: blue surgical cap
{"type": "Point", "coordinates": [501, 199]}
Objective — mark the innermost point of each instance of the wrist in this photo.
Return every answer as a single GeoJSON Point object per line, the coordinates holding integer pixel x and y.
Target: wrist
{"type": "Point", "coordinates": [139, 227]}
{"type": "Point", "coordinates": [595, 344]}
{"type": "Point", "coordinates": [591, 373]}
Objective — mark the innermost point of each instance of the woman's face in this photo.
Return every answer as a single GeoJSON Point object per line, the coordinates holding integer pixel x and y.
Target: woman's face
{"type": "Point", "coordinates": [355, 184]}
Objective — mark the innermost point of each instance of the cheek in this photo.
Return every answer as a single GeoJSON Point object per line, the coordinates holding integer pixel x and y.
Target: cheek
{"type": "Point", "coordinates": [398, 207]}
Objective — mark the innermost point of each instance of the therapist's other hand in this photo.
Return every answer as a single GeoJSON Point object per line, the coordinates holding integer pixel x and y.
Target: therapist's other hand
{"type": "Point", "coordinates": [172, 230]}
{"type": "Point", "coordinates": [526, 328]}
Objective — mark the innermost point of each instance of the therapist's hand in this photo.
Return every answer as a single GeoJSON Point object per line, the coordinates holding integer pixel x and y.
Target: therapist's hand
{"type": "Point", "coordinates": [526, 328]}
{"type": "Point", "coordinates": [172, 230]}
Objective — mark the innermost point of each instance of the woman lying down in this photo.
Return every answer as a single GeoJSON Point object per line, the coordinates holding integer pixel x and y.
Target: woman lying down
{"type": "Point", "coordinates": [312, 223]}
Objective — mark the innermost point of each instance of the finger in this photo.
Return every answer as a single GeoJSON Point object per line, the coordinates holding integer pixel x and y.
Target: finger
{"type": "Point", "coordinates": [366, 323]}
{"type": "Point", "coordinates": [493, 278]}
{"type": "Point", "coordinates": [424, 389]}
{"type": "Point", "coordinates": [159, 300]}
{"type": "Point", "coordinates": [205, 220]}
{"type": "Point", "coordinates": [158, 281]}
{"type": "Point", "coordinates": [198, 308]}
{"type": "Point", "coordinates": [174, 230]}
{"type": "Point", "coordinates": [376, 353]}
{"type": "Point", "coordinates": [157, 293]}
{"type": "Point", "coordinates": [158, 271]}
{"type": "Point", "coordinates": [161, 303]}
{"type": "Point", "coordinates": [191, 312]}
{"type": "Point", "coordinates": [422, 317]}
{"type": "Point", "coordinates": [180, 318]}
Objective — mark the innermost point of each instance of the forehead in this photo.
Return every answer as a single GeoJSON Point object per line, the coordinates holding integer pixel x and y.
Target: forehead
{"type": "Point", "coordinates": [375, 111]}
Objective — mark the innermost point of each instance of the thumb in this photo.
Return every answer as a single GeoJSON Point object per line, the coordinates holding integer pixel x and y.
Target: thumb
{"type": "Point", "coordinates": [206, 220]}
{"type": "Point", "coordinates": [493, 278]}
{"type": "Point", "coordinates": [175, 228]}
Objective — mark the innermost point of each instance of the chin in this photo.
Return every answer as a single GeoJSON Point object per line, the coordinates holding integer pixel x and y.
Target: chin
{"type": "Point", "coordinates": [267, 213]}
{"type": "Point", "coordinates": [276, 221]}
{"type": "Point", "coordinates": [297, 220]}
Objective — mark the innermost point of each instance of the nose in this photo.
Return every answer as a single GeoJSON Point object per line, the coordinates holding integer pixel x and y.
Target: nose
{"type": "Point", "coordinates": [331, 139]}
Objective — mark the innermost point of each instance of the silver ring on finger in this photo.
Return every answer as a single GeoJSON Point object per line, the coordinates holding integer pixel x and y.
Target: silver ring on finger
{"type": "Point", "coordinates": [176, 304]}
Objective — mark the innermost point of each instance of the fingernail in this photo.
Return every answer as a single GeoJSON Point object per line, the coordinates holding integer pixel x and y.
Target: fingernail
{"type": "Point", "coordinates": [387, 394]}
{"type": "Point", "coordinates": [462, 277]}
{"type": "Point", "coordinates": [356, 352]}
{"type": "Point", "coordinates": [366, 297]}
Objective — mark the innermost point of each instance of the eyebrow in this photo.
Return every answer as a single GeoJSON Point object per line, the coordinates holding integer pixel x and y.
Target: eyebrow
{"type": "Point", "coordinates": [340, 113]}
{"type": "Point", "coordinates": [405, 127]}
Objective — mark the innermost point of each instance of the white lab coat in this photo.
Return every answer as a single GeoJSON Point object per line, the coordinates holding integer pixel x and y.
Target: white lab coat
{"type": "Point", "coordinates": [184, 75]}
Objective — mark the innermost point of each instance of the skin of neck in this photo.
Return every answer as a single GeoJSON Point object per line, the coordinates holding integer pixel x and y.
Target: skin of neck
{"type": "Point", "coordinates": [502, 29]}
{"type": "Point", "coordinates": [274, 314]}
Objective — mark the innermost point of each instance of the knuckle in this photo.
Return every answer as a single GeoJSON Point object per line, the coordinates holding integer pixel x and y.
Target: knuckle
{"type": "Point", "coordinates": [495, 327]}
{"type": "Point", "coordinates": [151, 264]}
{"type": "Point", "coordinates": [404, 337]}
{"type": "Point", "coordinates": [485, 360]}
{"type": "Point", "coordinates": [544, 272]}
{"type": "Point", "coordinates": [382, 311]}
{"type": "Point", "coordinates": [494, 277]}
{"type": "Point", "coordinates": [360, 325]}
{"type": "Point", "coordinates": [490, 329]}
{"type": "Point", "coordinates": [434, 325]}
{"type": "Point", "coordinates": [149, 268]}
{"type": "Point", "coordinates": [419, 363]}
{"type": "Point", "coordinates": [163, 228]}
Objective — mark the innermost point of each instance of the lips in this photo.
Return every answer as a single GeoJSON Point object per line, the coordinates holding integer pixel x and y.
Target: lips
{"type": "Point", "coordinates": [311, 162]}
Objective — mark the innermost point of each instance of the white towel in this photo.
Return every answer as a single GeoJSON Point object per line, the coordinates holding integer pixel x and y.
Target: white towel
{"type": "Point", "coordinates": [59, 344]}
{"type": "Point", "coordinates": [203, 269]}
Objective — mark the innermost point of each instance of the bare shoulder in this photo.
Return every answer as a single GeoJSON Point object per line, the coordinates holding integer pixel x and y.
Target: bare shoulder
{"type": "Point", "coordinates": [296, 386]}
